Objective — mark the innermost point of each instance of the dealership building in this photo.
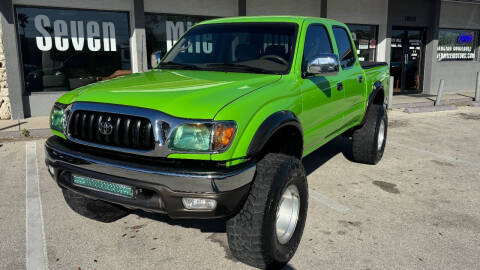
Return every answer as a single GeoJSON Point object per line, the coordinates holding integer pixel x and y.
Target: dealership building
{"type": "Point", "coordinates": [49, 47]}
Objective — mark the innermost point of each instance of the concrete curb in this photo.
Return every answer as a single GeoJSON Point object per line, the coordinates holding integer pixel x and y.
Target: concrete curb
{"type": "Point", "coordinates": [475, 104]}
{"type": "Point", "coordinates": [34, 134]}
{"type": "Point", "coordinates": [457, 101]}
{"type": "Point", "coordinates": [412, 105]}
{"type": "Point", "coordinates": [431, 109]}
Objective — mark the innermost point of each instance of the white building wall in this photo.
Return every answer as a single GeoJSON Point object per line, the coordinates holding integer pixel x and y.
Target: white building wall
{"type": "Point", "coordinates": [118, 5]}
{"type": "Point", "coordinates": [373, 12]}
{"type": "Point", "coordinates": [220, 8]}
{"type": "Point", "coordinates": [458, 75]}
{"type": "Point", "coordinates": [460, 15]}
{"type": "Point", "coordinates": [284, 7]}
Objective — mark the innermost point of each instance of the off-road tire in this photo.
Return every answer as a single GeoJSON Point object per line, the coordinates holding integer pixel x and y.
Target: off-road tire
{"type": "Point", "coordinates": [94, 209]}
{"type": "Point", "coordinates": [365, 139]}
{"type": "Point", "coordinates": [251, 233]}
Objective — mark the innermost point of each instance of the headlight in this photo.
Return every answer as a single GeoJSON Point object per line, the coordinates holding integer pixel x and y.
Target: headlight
{"type": "Point", "coordinates": [214, 137]}
{"type": "Point", "coordinates": [58, 117]}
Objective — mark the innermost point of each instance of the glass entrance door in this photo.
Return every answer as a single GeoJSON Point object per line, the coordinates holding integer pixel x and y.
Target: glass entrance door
{"type": "Point", "coordinates": [406, 59]}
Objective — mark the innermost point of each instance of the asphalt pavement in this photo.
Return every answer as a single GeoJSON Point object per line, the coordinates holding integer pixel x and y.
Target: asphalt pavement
{"type": "Point", "coordinates": [417, 209]}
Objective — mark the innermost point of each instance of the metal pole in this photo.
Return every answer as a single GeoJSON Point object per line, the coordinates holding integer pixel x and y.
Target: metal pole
{"type": "Point", "coordinates": [439, 93]}
{"type": "Point", "coordinates": [390, 93]}
{"type": "Point", "coordinates": [477, 89]}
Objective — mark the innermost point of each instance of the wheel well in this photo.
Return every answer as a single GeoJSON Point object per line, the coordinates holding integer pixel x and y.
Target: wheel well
{"type": "Point", "coordinates": [379, 97]}
{"type": "Point", "coordinates": [286, 140]}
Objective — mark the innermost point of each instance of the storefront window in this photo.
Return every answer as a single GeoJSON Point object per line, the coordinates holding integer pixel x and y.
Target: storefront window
{"type": "Point", "coordinates": [63, 49]}
{"type": "Point", "coordinates": [163, 30]}
{"type": "Point", "coordinates": [365, 39]}
{"type": "Point", "coordinates": [457, 45]}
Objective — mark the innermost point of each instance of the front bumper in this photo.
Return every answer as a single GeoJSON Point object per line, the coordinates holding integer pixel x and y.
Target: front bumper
{"type": "Point", "coordinates": [158, 188]}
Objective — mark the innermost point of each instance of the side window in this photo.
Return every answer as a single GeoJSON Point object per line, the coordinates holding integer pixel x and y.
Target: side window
{"type": "Point", "coordinates": [344, 45]}
{"type": "Point", "coordinates": [317, 42]}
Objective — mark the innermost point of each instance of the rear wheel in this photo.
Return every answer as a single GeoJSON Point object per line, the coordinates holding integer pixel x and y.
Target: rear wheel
{"type": "Point", "coordinates": [94, 209]}
{"type": "Point", "coordinates": [267, 230]}
{"type": "Point", "coordinates": [368, 142]}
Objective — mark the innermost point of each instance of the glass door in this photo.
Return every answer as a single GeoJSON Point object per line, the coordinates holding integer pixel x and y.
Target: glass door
{"type": "Point", "coordinates": [406, 59]}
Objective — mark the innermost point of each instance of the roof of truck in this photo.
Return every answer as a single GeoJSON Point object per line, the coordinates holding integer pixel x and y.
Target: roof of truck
{"type": "Point", "coordinates": [283, 18]}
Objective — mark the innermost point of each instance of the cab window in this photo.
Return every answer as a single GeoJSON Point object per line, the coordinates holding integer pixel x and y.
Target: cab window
{"type": "Point", "coordinates": [317, 42]}
{"type": "Point", "coordinates": [344, 45]}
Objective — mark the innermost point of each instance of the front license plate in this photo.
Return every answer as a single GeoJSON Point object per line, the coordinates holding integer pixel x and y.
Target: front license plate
{"type": "Point", "coordinates": [100, 185]}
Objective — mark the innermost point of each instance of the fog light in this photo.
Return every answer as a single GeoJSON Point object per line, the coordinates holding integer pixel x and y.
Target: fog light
{"type": "Point", "coordinates": [51, 170]}
{"type": "Point", "coordinates": [199, 204]}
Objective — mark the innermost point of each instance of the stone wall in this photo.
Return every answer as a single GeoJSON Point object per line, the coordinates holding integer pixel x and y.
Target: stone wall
{"type": "Point", "coordinates": [5, 112]}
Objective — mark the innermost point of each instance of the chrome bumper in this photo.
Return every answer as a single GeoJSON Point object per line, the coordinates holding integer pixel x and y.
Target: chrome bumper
{"type": "Point", "coordinates": [58, 154]}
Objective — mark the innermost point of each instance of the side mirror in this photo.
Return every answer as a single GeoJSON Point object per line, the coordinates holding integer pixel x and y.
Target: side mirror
{"type": "Point", "coordinates": [155, 58]}
{"type": "Point", "coordinates": [324, 65]}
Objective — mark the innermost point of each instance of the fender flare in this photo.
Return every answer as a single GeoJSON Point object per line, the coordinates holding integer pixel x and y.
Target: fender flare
{"type": "Point", "coordinates": [269, 126]}
{"type": "Point", "coordinates": [377, 88]}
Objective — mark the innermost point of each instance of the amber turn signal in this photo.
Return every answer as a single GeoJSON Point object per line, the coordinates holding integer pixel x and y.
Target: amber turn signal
{"type": "Point", "coordinates": [224, 134]}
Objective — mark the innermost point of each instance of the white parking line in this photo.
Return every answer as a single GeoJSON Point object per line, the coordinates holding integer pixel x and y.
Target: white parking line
{"type": "Point", "coordinates": [328, 202]}
{"type": "Point", "coordinates": [36, 255]}
{"type": "Point", "coordinates": [437, 155]}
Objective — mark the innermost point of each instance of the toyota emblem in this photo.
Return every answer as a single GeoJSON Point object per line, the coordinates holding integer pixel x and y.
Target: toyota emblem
{"type": "Point", "coordinates": [105, 128]}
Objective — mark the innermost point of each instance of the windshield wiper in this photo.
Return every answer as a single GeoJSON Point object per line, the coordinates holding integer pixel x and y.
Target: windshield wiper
{"type": "Point", "coordinates": [238, 67]}
{"type": "Point", "coordinates": [171, 64]}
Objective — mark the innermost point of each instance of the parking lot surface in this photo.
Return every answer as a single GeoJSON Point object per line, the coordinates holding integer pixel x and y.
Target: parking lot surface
{"type": "Point", "coordinates": [417, 209]}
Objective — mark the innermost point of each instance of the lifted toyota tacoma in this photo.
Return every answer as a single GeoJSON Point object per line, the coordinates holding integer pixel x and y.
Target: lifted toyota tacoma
{"type": "Point", "coordinates": [218, 129]}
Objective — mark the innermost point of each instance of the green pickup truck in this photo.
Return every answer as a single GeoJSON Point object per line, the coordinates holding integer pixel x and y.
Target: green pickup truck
{"type": "Point", "coordinates": [219, 127]}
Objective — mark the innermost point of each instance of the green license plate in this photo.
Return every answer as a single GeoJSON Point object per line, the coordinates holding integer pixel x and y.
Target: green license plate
{"type": "Point", "coordinates": [117, 189]}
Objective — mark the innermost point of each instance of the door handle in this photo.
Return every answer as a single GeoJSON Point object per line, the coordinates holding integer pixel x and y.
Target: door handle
{"type": "Point", "coordinates": [360, 79]}
{"type": "Point", "coordinates": [340, 86]}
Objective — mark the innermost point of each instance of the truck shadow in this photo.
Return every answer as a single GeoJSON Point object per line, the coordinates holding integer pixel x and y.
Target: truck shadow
{"type": "Point", "coordinates": [204, 225]}
{"type": "Point", "coordinates": [311, 162]}
{"type": "Point", "coordinates": [323, 154]}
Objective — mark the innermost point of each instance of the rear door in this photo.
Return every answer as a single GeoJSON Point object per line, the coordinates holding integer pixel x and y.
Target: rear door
{"type": "Point", "coordinates": [352, 75]}
{"type": "Point", "coordinates": [322, 111]}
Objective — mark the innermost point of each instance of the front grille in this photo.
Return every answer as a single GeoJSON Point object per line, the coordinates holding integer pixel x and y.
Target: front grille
{"type": "Point", "coordinates": [126, 131]}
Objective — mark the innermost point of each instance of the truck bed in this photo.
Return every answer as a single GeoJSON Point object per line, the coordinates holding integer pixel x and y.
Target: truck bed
{"type": "Point", "coordinates": [368, 65]}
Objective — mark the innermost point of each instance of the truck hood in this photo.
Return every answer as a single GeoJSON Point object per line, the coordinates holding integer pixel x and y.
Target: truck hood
{"type": "Point", "coordinates": [181, 93]}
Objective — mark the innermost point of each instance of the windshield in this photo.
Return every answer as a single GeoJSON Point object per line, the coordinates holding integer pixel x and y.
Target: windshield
{"type": "Point", "coordinates": [236, 47]}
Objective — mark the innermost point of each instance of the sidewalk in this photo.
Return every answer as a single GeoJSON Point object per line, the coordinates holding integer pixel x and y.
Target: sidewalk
{"type": "Point", "coordinates": [36, 126]}
{"type": "Point", "coordinates": [421, 100]}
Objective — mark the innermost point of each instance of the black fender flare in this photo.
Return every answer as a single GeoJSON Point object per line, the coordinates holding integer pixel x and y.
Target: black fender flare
{"type": "Point", "coordinates": [377, 88]}
{"type": "Point", "coordinates": [269, 126]}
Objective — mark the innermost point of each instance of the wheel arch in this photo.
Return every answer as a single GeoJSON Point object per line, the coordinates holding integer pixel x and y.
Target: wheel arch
{"type": "Point", "coordinates": [276, 127]}
{"type": "Point", "coordinates": [377, 96]}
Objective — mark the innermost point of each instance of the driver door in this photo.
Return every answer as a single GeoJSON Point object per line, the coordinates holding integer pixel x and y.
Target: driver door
{"type": "Point", "coordinates": [322, 112]}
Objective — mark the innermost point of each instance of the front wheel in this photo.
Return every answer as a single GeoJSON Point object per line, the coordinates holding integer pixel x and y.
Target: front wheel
{"type": "Point", "coordinates": [267, 230]}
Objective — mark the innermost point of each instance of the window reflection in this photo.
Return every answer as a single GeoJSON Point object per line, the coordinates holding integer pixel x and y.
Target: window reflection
{"type": "Point", "coordinates": [457, 45]}
{"type": "Point", "coordinates": [163, 30]}
{"type": "Point", "coordinates": [63, 49]}
{"type": "Point", "coordinates": [365, 39]}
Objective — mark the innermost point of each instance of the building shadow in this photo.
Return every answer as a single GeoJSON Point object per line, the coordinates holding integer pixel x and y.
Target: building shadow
{"type": "Point", "coordinates": [14, 125]}
{"type": "Point", "coordinates": [464, 95]}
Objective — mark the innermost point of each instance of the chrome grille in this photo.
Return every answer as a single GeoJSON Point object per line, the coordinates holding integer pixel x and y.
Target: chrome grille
{"type": "Point", "coordinates": [119, 130]}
